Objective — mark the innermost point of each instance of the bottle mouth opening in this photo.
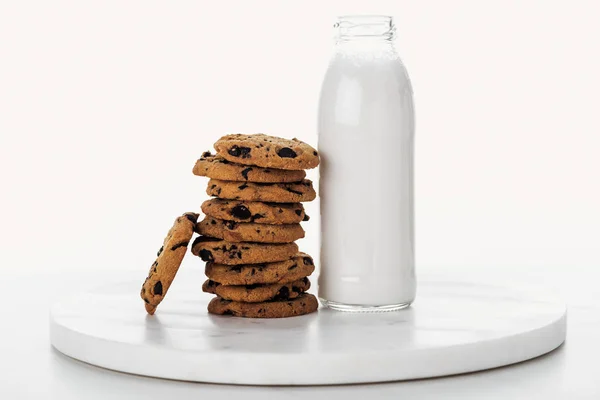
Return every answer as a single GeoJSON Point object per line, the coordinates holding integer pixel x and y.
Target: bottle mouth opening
{"type": "Point", "coordinates": [350, 27]}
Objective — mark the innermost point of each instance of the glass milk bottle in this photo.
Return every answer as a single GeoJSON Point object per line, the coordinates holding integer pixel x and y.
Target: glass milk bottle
{"type": "Point", "coordinates": [366, 135]}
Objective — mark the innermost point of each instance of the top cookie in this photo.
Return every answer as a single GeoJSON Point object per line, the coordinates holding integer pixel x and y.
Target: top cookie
{"type": "Point", "coordinates": [168, 260]}
{"type": "Point", "coordinates": [267, 151]}
{"type": "Point", "coordinates": [217, 167]}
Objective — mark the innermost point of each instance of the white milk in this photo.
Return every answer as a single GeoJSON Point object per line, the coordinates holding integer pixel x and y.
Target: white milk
{"type": "Point", "coordinates": [366, 131]}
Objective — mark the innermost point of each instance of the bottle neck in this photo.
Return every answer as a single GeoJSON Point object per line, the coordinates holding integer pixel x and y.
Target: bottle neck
{"type": "Point", "coordinates": [365, 30]}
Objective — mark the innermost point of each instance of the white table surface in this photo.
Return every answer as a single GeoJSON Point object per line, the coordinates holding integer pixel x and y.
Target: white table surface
{"type": "Point", "coordinates": [31, 369]}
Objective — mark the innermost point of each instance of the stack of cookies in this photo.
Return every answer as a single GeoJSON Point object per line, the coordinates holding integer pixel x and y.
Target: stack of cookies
{"type": "Point", "coordinates": [247, 237]}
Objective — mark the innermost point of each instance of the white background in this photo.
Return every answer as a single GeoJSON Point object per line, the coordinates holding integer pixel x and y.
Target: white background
{"type": "Point", "coordinates": [105, 106]}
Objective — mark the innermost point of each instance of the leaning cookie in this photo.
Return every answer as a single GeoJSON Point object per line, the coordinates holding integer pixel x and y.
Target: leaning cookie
{"type": "Point", "coordinates": [170, 255]}
{"type": "Point", "coordinates": [267, 151]}
{"type": "Point", "coordinates": [249, 232]}
{"type": "Point", "coordinates": [304, 304]}
{"type": "Point", "coordinates": [258, 293]}
{"type": "Point", "coordinates": [229, 253]}
{"type": "Point", "coordinates": [217, 167]}
{"type": "Point", "coordinates": [255, 211]}
{"type": "Point", "coordinates": [269, 192]}
{"type": "Point", "coordinates": [248, 274]}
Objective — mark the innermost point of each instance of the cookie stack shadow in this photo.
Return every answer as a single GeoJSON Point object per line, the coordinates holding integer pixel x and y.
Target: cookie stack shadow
{"type": "Point", "coordinates": [248, 234]}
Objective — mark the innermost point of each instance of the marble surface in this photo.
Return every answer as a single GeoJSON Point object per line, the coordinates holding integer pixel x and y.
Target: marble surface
{"type": "Point", "coordinates": [33, 369]}
{"type": "Point", "coordinates": [453, 327]}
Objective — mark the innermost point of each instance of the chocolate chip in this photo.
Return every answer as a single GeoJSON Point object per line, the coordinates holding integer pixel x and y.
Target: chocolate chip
{"type": "Point", "coordinates": [206, 255]}
{"type": "Point", "coordinates": [283, 294]}
{"type": "Point", "coordinates": [245, 248]}
{"type": "Point", "coordinates": [178, 245]}
{"type": "Point", "coordinates": [256, 216]}
{"type": "Point", "coordinates": [286, 152]}
{"type": "Point", "coordinates": [213, 222]}
{"type": "Point", "coordinates": [159, 251]}
{"type": "Point", "coordinates": [245, 173]}
{"type": "Point", "coordinates": [218, 191]}
{"type": "Point", "coordinates": [237, 151]}
{"type": "Point", "coordinates": [280, 211]}
{"type": "Point", "coordinates": [146, 301]}
{"type": "Point", "coordinates": [293, 191]}
{"type": "Point", "coordinates": [315, 153]}
{"type": "Point", "coordinates": [260, 310]}
{"type": "Point", "coordinates": [192, 217]}
{"type": "Point", "coordinates": [239, 255]}
{"type": "Point", "coordinates": [308, 261]}
{"type": "Point", "coordinates": [306, 217]}
{"type": "Point", "coordinates": [258, 231]}
{"type": "Point", "coordinates": [241, 212]}
{"type": "Point", "coordinates": [158, 288]}
{"type": "Point", "coordinates": [212, 283]}
{"type": "Point", "coordinates": [213, 186]}
{"type": "Point", "coordinates": [155, 263]}
{"type": "Point", "coordinates": [223, 161]}
{"type": "Point", "coordinates": [296, 289]}
{"type": "Point", "coordinates": [206, 154]}
{"type": "Point", "coordinates": [237, 269]}
{"type": "Point", "coordinates": [242, 187]}
{"type": "Point", "coordinates": [252, 272]}
{"type": "Point", "coordinates": [227, 312]}
{"type": "Point", "coordinates": [305, 280]}
{"type": "Point", "coordinates": [245, 152]}
{"type": "Point", "coordinates": [292, 267]}
{"type": "Point", "coordinates": [298, 212]}
{"type": "Point", "coordinates": [230, 224]}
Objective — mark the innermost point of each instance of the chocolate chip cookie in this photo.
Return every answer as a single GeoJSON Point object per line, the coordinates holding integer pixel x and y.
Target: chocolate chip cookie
{"type": "Point", "coordinates": [248, 274]}
{"type": "Point", "coordinates": [249, 232]}
{"type": "Point", "coordinates": [217, 167]}
{"type": "Point", "coordinates": [254, 211]}
{"type": "Point", "coordinates": [267, 151]}
{"type": "Point", "coordinates": [230, 253]}
{"type": "Point", "coordinates": [270, 192]}
{"type": "Point", "coordinates": [168, 260]}
{"type": "Point", "coordinates": [304, 304]}
{"type": "Point", "coordinates": [258, 293]}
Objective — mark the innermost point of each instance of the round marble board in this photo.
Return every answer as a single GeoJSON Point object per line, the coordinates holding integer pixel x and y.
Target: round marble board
{"type": "Point", "coordinates": [453, 327]}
